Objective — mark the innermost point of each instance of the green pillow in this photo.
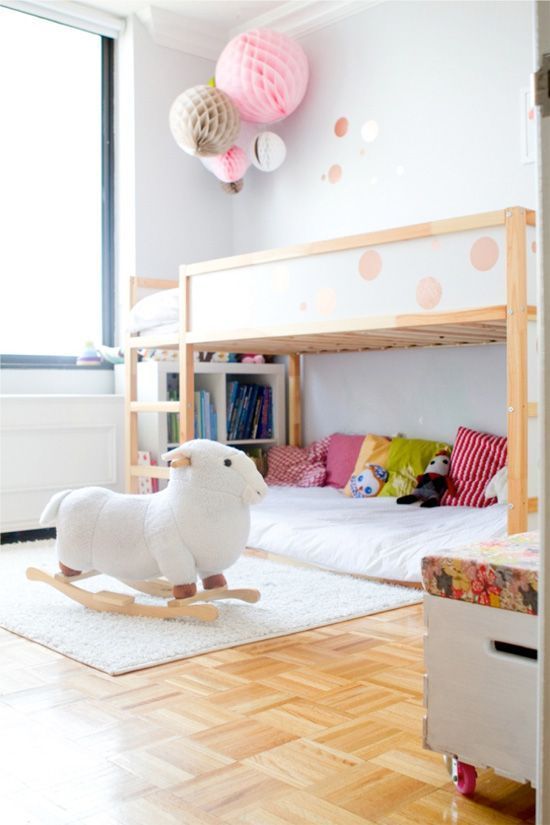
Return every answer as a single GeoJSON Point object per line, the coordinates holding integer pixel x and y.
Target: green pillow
{"type": "Point", "coordinates": [407, 459]}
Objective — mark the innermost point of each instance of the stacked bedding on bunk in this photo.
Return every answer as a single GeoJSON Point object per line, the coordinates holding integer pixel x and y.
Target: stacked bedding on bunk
{"type": "Point", "coordinates": [156, 314]}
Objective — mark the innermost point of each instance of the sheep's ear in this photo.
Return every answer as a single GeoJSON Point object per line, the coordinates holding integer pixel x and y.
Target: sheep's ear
{"type": "Point", "coordinates": [177, 458]}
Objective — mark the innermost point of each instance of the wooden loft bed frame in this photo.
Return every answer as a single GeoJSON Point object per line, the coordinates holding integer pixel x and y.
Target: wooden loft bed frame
{"type": "Point", "coordinates": [503, 323]}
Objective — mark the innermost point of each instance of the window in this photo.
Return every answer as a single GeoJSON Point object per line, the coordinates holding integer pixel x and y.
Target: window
{"type": "Point", "coordinates": [56, 178]}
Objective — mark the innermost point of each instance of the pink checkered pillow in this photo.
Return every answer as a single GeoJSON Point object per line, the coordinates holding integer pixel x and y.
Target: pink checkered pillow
{"type": "Point", "coordinates": [298, 466]}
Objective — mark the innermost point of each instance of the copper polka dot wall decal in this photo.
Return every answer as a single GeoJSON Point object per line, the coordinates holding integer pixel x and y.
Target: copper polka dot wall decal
{"type": "Point", "coordinates": [428, 293]}
{"type": "Point", "coordinates": [369, 131]}
{"type": "Point", "coordinates": [335, 173]}
{"type": "Point", "coordinates": [436, 243]}
{"type": "Point", "coordinates": [484, 254]}
{"type": "Point", "coordinates": [325, 300]}
{"type": "Point", "coordinates": [534, 247]}
{"type": "Point", "coordinates": [341, 127]}
{"type": "Point", "coordinates": [323, 177]}
{"type": "Point", "coordinates": [370, 264]}
{"type": "Point", "coordinates": [303, 306]}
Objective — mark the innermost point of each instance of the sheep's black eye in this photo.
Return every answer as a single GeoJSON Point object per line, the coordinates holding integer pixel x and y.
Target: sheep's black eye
{"type": "Point", "coordinates": [227, 462]}
{"type": "Point", "coordinates": [445, 461]}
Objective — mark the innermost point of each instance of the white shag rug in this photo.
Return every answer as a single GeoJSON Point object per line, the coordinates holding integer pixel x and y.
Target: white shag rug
{"type": "Point", "coordinates": [293, 599]}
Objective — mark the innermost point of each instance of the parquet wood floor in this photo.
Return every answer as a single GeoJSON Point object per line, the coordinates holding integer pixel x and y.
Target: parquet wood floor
{"type": "Point", "coordinates": [319, 728]}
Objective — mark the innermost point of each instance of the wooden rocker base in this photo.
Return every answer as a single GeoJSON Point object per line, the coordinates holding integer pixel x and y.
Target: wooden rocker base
{"type": "Point", "coordinates": [195, 607]}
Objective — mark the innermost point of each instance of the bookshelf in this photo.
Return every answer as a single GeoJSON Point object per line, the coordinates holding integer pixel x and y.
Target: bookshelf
{"type": "Point", "coordinates": [155, 379]}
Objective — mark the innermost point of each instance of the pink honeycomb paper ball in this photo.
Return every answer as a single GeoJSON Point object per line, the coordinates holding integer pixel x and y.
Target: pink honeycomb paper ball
{"type": "Point", "coordinates": [264, 73]}
{"type": "Point", "coordinates": [230, 166]}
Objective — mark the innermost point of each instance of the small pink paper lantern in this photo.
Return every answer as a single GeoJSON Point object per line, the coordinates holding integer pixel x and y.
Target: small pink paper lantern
{"type": "Point", "coordinates": [229, 167]}
{"type": "Point", "coordinates": [264, 73]}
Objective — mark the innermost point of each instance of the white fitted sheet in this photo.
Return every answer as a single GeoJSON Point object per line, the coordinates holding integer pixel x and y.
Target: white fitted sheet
{"type": "Point", "coordinates": [373, 537]}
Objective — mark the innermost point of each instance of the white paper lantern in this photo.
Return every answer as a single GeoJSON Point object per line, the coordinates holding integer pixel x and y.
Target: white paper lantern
{"type": "Point", "coordinates": [268, 151]}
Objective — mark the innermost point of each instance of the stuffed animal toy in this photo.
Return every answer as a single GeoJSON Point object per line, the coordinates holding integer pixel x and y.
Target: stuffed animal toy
{"type": "Point", "coordinates": [197, 526]}
{"type": "Point", "coordinates": [252, 358]}
{"type": "Point", "coordinates": [368, 482]}
{"type": "Point", "coordinates": [432, 483]}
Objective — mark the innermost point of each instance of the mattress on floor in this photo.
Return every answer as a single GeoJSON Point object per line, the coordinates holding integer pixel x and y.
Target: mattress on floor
{"type": "Point", "coordinates": [499, 573]}
{"type": "Point", "coordinates": [372, 537]}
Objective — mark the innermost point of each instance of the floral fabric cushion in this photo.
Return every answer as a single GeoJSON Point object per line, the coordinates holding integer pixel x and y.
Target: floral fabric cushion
{"type": "Point", "coordinates": [475, 459]}
{"type": "Point", "coordinates": [298, 466]}
{"type": "Point", "coordinates": [500, 573]}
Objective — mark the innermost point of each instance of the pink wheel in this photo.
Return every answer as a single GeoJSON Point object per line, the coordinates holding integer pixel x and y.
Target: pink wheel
{"type": "Point", "coordinates": [465, 777]}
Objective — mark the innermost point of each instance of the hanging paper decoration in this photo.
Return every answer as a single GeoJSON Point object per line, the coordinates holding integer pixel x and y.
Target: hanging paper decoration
{"type": "Point", "coordinates": [261, 77]}
{"type": "Point", "coordinates": [230, 166]}
{"type": "Point", "coordinates": [268, 151]}
{"type": "Point", "coordinates": [233, 188]}
{"type": "Point", "coordinates": [265, 73]}
{"type": "Point", "coordinates": [204, 121]}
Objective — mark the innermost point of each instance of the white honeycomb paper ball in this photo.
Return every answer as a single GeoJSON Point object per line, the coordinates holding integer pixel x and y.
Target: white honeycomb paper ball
{"type": "Point", "coordinates": [268, 151]}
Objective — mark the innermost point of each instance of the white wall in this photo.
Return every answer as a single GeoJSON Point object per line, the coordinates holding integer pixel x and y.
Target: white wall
{"type": "Point", "coordinates": [172, 210]}
{"type": "Point", "coordinates": [425, 393]}
{"type": "Point", "coordinates": [442, 80]}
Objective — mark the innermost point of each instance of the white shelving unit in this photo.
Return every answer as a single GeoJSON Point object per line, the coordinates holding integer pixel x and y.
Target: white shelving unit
{"type": "Point", "coordinates": [152, 384]}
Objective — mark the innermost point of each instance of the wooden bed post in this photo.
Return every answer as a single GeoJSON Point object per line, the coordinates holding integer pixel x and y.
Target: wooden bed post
{"type": "Point", "coordinates": [186, 361]}
{"type": "Point", "coordinates": [516, 365]}
{"type": "Point", "coordinates": [294, 401]}
{"type": "Point", "coordinates": [130, 417]}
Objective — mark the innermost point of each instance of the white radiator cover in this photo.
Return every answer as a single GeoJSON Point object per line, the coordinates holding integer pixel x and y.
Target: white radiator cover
{"type": "Point", "coordinates": [56, 442]}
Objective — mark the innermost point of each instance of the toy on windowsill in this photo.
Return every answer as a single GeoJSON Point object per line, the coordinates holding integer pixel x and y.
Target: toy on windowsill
{"type": "Point", "coordinates": [432, 483]}
{"type": "Point", "coordinates": [196, 527]}
{"type": "Point", "coordinates": [89, 357]}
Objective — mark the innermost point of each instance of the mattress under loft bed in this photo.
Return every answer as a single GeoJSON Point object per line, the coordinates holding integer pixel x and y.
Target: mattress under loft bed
{"type": "Point", "coordinates": [340, 296]}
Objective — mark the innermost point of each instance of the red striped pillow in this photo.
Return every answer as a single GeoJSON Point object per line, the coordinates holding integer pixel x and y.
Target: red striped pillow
{"type": "Point", "coordinates": [475, 458]}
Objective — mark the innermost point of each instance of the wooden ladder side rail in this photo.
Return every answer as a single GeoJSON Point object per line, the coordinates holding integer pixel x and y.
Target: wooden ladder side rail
{"type": "Point", "coordinates": [131, 406]}
{"type": "Point", "coordinates": [294, 401]}
{"type": "Point", "coordinates": [516, 368]}
{"type": "Point", "coordinates": [186, 361]}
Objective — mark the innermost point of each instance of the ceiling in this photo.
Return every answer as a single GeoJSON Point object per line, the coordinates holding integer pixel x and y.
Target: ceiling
{"type": "Point", "coordinates": [226, 14]}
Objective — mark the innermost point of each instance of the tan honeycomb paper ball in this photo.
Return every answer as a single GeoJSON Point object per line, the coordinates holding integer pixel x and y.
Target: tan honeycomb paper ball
{"type": "Point", "coordinates": [204, 121]}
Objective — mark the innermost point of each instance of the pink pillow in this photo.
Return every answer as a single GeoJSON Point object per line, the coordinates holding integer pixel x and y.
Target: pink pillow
{"type": "Point", "coordinates": [475, 459]}
{"type": "Point", "coordinates": [298, 466]}
{"type": "Point", "coordinates": [342, 455]}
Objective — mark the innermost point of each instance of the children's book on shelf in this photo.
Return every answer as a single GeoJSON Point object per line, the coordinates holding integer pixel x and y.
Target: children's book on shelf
{"type": "Point", "coordinates": [147, 485]}
{"type": "Point", "coordinates": [258, 456]}
{"type": "Point", "coordinates": [249, 412]}
{"type": "Point", "coordinates": [206, 419]}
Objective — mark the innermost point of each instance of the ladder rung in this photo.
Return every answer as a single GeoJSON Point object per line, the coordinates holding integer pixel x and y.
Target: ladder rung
{"type": "Point", "coordinates": [532, 409]}
{"type": "Point", "coordinates": [153, 342]}
{"type": "Point", "coordinates": [146, 471]}
{"type": "Point", "coordinates": [155, 406]}
{"type": "Point", "coordinates": [533, 505]}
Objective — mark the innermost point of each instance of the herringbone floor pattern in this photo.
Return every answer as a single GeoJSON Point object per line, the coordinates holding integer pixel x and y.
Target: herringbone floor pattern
{"type": "Point", "coordinates": [319, 728]}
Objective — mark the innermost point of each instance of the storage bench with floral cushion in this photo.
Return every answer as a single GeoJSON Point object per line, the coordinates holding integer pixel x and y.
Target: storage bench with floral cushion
{"type": "Point", "coordinates": [497, 573]}
{"type": "Point", "coordinates": [482, 664]}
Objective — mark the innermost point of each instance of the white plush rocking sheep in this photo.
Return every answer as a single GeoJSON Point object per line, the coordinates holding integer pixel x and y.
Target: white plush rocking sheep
{"type": "Point", "coordinates": [197, 526]}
